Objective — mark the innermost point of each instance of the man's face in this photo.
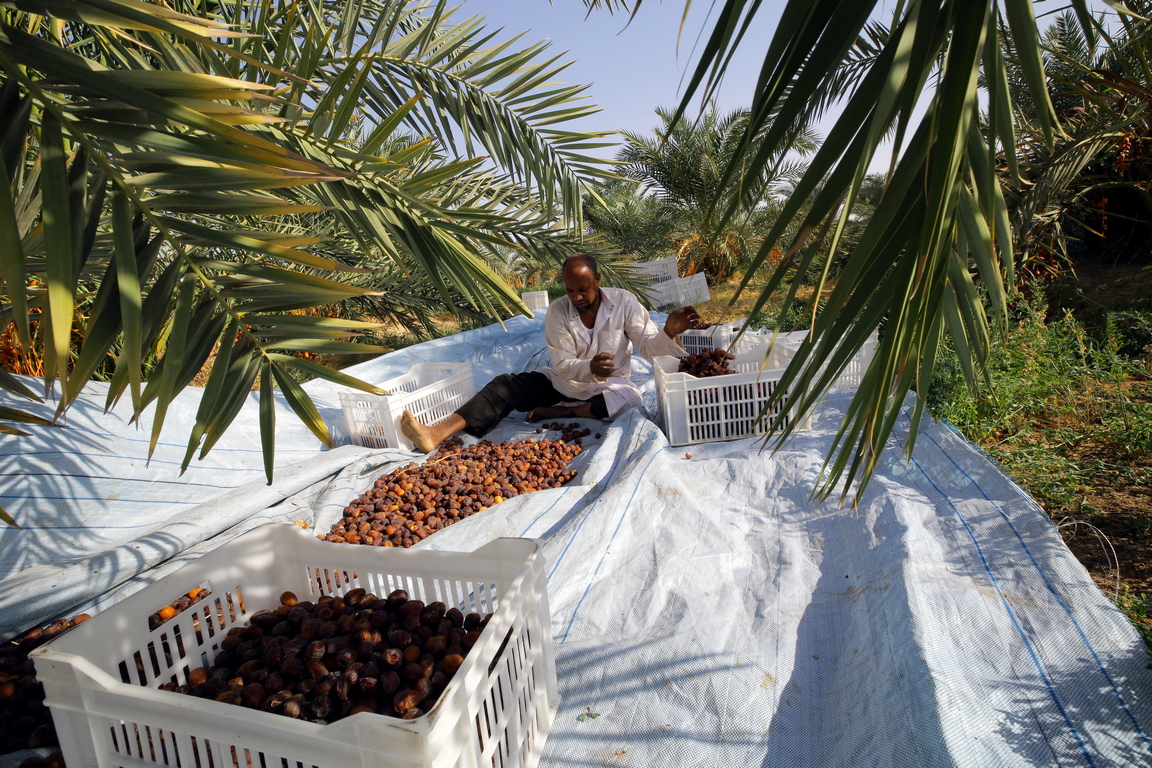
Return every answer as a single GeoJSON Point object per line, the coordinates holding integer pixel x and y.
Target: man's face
{"type": "Point", "coordinates": [583, 288]}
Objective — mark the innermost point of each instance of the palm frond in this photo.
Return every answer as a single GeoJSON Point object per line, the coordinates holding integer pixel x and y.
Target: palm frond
{"type": "Point", "coordinates": [160, 160]}
{"type": "Point", "coordinates": [941, 219]}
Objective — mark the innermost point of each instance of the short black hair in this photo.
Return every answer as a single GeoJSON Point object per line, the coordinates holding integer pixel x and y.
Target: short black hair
{"type": "Point", "coordinates": [583, 259]}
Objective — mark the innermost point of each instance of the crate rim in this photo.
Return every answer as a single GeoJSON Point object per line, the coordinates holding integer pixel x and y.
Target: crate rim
{"type": "Point", "coordinates": [488, 641]}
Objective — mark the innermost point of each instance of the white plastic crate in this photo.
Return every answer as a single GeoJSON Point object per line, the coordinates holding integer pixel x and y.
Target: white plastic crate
{"type": "Point", "coordinates": [430, 390]}
{"type": "Point", "coordinates": [853, 373]}
{"type": "Point", "coordinates": [101, 678]}
{"type": "Point", "coordinates": [654, 272]}
{"type": "Point", "coordinates": [849, 378]}
{"type": "Point", "coordinates": [698, 410]}
{"type": "Point", "coordinates": [719, 336]}
{"type": "Point", "coordinates": [789, 340]}
{"type": "Point", "coordinates": [535, 300]}
{"type": "Point", "coordinates": [681, 291]}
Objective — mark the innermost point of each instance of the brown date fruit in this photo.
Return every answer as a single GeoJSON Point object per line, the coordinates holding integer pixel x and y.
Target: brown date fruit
{"type": "Point", "coordinates": [406, 700]}
{"type": "Point", "coordinates": [253, 695]}
{"type": "Point", "coordinates": [294, 706]}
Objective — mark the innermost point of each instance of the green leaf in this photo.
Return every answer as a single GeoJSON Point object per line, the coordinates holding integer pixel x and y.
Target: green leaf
{"type": "Point", "coordinates": [324, 372]}
{"type": "Point", "coordinates": [22, 417]}
{"type": "Point", "coordinates": [131, 300]}
{"type": "Point", "coordinates": [303, 406]}
{"type": "Point", "coordinates": [7, 518]}
{"type": "Point", "coordinates": [251, 241]}
{"type": "Point", "coordinates": [267, 419]}
{"type": "Point", "coordinates": [12, 262]}
{"type": "Point", "coordinates": [173, 359]}
{"type": "Point", "coordinates": [59, 250]}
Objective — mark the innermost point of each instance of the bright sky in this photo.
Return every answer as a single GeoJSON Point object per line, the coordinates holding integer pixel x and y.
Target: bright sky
{"type": "Point", "coordinates": [632, 69]}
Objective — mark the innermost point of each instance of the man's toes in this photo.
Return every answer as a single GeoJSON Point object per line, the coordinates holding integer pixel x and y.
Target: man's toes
{"type": "Point", "coordinates": [416, 432]}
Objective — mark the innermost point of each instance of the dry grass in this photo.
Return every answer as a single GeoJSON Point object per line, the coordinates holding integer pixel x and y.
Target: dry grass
{"type": "Point", "coordinates": [726, 306]}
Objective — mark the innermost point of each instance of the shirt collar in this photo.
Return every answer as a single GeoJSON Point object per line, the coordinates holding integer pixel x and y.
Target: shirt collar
{"type": "Point", "coordinates": [607, 302]}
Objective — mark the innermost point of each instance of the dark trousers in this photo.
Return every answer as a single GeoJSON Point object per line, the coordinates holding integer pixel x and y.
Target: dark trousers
{"type": "Point", "coordinates": [515, 392]}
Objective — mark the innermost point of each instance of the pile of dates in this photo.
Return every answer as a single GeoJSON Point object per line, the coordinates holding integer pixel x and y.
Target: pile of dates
{"type": "Point", "coordinates": [177, 606]}
{"type": "Point", "coordinates": [569, 433]}
{"type": "Point", "coordinates": [339, 656]}
{"type": "Point", "coordinates": [708, 362]}
{"type": "Point", "coordinates": [408, 505]}
{"type": "Point", "coordinates": [25, 720]}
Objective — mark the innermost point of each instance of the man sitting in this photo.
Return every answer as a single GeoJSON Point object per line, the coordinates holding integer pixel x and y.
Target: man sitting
{"type": "Point", "coordinates": [590, 338]}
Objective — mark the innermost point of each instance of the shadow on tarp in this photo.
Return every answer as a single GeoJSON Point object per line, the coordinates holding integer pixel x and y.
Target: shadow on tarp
{"type": "Point", "coordinates": [1091, 736]}
{"type": "Point", "coordinates": [595, 722]}
{"type": "Point", "coordinates": [45, 591]}
{"type": "Point", "coordinates": [40, 484]}
{"type": "Point", "coordinates": [859, 692]}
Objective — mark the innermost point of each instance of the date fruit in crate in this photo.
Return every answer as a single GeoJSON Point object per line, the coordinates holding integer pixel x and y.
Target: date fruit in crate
{"type": "Point", "coordinates": [708, 362]}
{"type": "Point", "coordinates": [338, 656]}
{"type": "Point", "coordinates": [25, 721]}
{"type": "Point", "coordinates": [408, 505]}
{"type": "Point", "coordinates": [177, 606]}
{"type": "Point", "coordinates": [53, 760]}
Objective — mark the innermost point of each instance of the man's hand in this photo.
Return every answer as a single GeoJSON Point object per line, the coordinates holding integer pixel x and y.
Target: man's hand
{"type": "Point", "coordinates": [602, 365]}
{"type": "Point", "coordinates": [682, 320]}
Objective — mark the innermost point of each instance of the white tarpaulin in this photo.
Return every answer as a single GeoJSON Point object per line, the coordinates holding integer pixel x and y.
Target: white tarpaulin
{"type": "Point", "coordinates": [704, 610]}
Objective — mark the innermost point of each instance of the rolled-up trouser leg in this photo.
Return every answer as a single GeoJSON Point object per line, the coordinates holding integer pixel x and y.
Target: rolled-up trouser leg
{"type": "Point", "coordinates": [514, 392]}
{"type": "Point", "coordinates": [504, 394]}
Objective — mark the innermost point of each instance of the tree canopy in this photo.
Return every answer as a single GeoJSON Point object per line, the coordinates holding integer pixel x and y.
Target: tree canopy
{"type": "Point", "coordinates": [183, 179]}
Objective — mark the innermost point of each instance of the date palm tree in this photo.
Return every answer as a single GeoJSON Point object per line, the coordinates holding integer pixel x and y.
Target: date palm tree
{"type": "Point", "coordinates": [164, 162]}
{"type": "Point", "coordinates": [683, 165]}
{"type": "Point", "coordinates": [932, 264]}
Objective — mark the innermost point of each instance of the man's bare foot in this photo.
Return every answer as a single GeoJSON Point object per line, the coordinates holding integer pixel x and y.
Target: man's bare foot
{"type": "Point", "coordinates": [582, 411]}
{"type": "Point", "coordinates": [419, 434]}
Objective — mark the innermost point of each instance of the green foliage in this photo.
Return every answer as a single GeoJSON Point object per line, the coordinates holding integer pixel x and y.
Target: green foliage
{"type": "Point", "coordinates": [183, 179]}
{"type": "Point", "coordinates": [797, 317]}
{"type": "Point", "coordinates": [1132, 331]}
{"type": "Point", "coordinates": [637, 222]}
{"type": "Point", "coordinates": [1138, 609]}
{"type": "Point", "coordinates": [679, 198]}
{"type": "Point", "coordinates": [1040, 365]}
{"type": "Point", "coordinates": [1051, 387]}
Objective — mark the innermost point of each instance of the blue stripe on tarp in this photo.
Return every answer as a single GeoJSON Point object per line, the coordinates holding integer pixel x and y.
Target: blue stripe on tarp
{"type": "Point", "coordinates": [1011, 615]}
{"type": "Point", "coordinates": [559, 496]}
{"type": "Point", "coordinates": [144, 459]}
{"type": "Point", "coordinates": [556, 565]}
{"type": "Point", "coordinates": [182, 446]}
{"type": "Point", "coordinates": [615, 463]}
{"type": "Point", "coordinates": [118, 478]}
{"type": "Point", "coordinates": [1051, 589]}
{"type": "Point", "coordinates": [92, 498]}
{"type": "Point", "coordinates": [88, 527]}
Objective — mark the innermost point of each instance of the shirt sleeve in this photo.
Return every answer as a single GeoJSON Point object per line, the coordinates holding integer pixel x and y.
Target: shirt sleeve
{"type": "Point", "coordinates": [562, 348]}
{"type": "Point", "coordinates": [649, 339]}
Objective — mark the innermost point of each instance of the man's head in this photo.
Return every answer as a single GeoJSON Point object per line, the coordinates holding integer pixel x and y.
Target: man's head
{"type": "Point", "coordinates": [582, 282]}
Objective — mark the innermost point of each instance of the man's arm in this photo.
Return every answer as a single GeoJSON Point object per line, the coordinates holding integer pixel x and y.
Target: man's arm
{"type": "Point", "coordinates": [649, 340]}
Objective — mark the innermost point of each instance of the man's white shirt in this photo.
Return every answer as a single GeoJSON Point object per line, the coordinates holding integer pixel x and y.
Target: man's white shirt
{"type": "Point", "coordinates": [621, 324]}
